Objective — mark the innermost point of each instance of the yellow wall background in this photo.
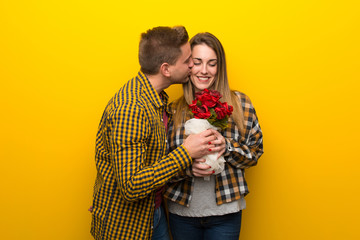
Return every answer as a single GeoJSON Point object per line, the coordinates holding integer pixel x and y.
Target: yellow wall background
{"type": "Point", "coordinates": [61, 61]}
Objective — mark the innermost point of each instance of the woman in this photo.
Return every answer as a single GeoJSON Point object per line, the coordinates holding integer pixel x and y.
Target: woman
{"type": "Point", "coordinates": [200, 209]}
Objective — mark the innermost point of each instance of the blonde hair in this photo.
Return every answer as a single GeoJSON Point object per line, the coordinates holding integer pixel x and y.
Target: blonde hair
{"type": "Point", "coordinates": [220, 84]}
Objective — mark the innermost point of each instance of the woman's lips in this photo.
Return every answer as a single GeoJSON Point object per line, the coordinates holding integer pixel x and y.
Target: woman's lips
{"type": "Point", "coordinates": [202, 78]}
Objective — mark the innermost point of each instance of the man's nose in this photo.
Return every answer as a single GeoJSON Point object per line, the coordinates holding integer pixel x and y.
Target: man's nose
{"type": "Point", "coordinates": [191, 63]}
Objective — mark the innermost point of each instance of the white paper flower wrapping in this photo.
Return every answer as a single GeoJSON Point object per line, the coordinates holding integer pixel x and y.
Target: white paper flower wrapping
{"type": "Point", "coordinates": [195, 126]}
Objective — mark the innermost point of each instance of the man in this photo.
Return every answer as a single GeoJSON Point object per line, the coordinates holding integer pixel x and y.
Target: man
{"type": "Point", "coordinates": [131, 161]}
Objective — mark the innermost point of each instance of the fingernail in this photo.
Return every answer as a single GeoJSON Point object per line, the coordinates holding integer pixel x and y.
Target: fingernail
{"type": "Point", "coordinates": [213, 171]}
{"type": "Point", "coordinates": [209, 142]}
{"type": "Point", "coordinates": [209, 150]}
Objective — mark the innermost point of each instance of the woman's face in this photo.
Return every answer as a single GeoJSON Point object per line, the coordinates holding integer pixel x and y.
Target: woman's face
{"type": "Point", "coordinates": [205, 67]}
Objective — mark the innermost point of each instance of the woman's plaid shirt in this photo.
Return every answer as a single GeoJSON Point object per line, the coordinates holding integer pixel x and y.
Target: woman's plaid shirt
{"type": "Point", "coordinates": [242, 151]}
{"type": "Point", "coordinates": [131, 162]}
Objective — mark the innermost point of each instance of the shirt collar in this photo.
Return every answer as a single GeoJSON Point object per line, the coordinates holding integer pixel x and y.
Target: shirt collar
{"type": "Point", "coordinates": [158, 100]}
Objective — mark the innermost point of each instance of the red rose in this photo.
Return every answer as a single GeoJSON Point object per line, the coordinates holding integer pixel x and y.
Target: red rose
{"type": "Point", "coordinates": [229, 108]}
{"type": "Point", "coordinates": [194, 102]}
{"type": "Point", "coordinates": [199, 94]}
{"type": "Point", "coordinates": [200, 111]}
{"type": "Point", "coordinates": [215, 94]}
{"type": "Point", "coordinates": [221, 112]}
{"type": "Point", "coordinates": [207, 100]}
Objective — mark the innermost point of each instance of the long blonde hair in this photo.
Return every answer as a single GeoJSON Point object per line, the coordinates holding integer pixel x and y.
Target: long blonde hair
{"type": "Point", "coordinates": [220, 84]}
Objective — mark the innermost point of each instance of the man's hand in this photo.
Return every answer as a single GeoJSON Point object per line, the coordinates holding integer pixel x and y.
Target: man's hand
{"type": "Point", "coordinates": [201, 144]}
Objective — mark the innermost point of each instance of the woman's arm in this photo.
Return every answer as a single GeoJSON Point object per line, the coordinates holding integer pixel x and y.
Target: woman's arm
{"type": "Point", "coordinates": [244, 151]}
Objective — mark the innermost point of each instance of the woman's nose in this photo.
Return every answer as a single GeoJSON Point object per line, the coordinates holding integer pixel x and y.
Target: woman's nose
{"type": "Point", "coordinates": [203, 69]}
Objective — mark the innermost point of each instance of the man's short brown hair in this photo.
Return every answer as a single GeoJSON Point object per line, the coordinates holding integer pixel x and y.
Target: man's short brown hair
{"type": "Point", "coordinates": [161, 45]}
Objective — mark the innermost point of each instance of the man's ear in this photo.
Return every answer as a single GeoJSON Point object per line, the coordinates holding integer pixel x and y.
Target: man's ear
{"type": "Point", "coordinates": [165, 69]}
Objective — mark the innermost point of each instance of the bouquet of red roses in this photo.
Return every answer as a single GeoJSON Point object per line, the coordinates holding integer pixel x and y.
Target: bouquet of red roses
{"type": "Point", "coordinates": [209, 112]}
{"type": "Point", "coordinates": [207, 106]}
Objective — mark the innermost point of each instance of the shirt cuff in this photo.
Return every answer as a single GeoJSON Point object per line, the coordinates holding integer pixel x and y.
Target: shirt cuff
{"type": "Point", "coordinates": [181, 157]}
{"type": "Point", "coordinates": [228, 148]}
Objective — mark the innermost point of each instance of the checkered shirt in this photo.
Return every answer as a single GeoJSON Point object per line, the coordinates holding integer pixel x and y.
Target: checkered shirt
{"type": "Point", "coordinates": [242, 151]}
{"type": "Point", "coordinates": [131, 162]}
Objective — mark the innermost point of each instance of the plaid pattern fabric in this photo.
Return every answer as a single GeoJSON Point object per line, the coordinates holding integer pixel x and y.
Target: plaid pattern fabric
{"type": "Point", "coordinates": [131, 162]}
{"type": "Point", "coordinates": [242, 151]}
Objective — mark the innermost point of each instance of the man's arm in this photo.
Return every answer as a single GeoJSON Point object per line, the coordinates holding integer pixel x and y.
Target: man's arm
{"type": "Point", "coordinates": [130, 129]}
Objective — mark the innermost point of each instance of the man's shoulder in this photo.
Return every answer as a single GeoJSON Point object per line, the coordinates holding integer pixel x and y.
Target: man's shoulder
{"type": "Point", "coordinates": [130, 90]}
{"type": "Point", "coordinates": [130, 95]}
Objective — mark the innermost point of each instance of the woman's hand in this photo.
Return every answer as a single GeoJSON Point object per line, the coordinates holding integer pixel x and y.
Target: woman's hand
{"type": "Point", "coordinates": [220, 143]}
{"type": "Point", "coordinates": [201, 169]}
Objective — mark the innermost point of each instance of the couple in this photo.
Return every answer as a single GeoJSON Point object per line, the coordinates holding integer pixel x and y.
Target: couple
{"type": "Point", "coordinates": [142, 154]}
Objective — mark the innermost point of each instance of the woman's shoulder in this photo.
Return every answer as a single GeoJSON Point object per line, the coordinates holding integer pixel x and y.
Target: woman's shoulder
{"type": "Point", "coordinates": [180, 102]}
{"type": "Point", "coordinates": [242, 96]}
{"type": "Point", "coordinates": [245, 102]}
{"type": "Point", "coordinates": [172, 106]}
